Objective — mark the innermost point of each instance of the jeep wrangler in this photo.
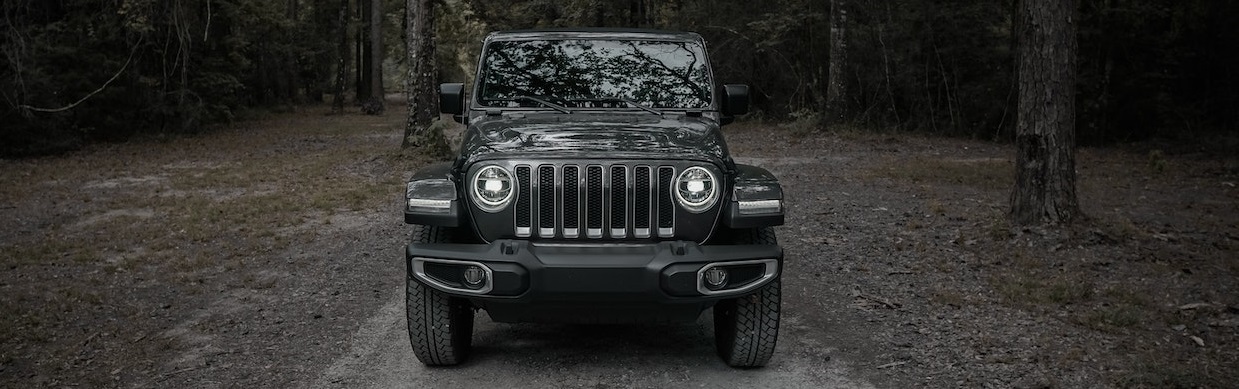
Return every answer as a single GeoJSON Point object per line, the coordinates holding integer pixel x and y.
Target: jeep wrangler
{"type": "Point", "coordinates": [593, 185]}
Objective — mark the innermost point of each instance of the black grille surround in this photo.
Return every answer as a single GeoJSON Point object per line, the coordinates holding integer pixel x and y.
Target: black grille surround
{"type": "Point", "coordinates": [594, 201]}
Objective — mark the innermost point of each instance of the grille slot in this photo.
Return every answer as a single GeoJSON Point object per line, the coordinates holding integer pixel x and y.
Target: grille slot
{"type": "Point", "coordinates": [524, 213]}
{"type": "Point", "coordinates": [593, 201]}
{"type": "Point", "coordinates": [666, 205]}
{"type": "Point", "coordinates": [641, 195]}
{"type": "Point", "coordinates": [546, 201]}
{"type": "Point", "coordinates": [619, 201]}
{"type": "Point", "coordinates": [571, 201]}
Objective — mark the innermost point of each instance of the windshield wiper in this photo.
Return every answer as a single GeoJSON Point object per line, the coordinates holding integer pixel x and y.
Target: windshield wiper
{"type": "Point", "coordinates": [633, 103]}
{"type": "Point", "coordinates": [544, 102]}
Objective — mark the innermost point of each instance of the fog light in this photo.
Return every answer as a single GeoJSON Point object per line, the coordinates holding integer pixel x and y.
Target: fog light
{"type": "Point", "coordinates": [715, 277]}
{"type": "Point", "coordinates": [474, 276]}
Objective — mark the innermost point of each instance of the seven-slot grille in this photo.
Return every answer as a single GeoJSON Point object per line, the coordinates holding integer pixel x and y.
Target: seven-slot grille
{"type": "Point", "coordinates": [572, 201]}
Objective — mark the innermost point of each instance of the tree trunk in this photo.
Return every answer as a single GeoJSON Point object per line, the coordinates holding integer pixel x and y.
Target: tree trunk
{"type": "Point", "coordinates": [292, 66]}
{"type": "Point", "coordinates": [337, 103]}
{"type": "Point", "coordinates": [637, 10]}
{"type": "Point", "coordinates": [420, 88]}
{"type": "Point", "coordinates": [376, 105]}
{"type": "Point", "coordinates": [1045, 189]}
{"type": "Point", "coordinates": [363, 52]}
{"type": "Point", "coordinates": [836, 87]}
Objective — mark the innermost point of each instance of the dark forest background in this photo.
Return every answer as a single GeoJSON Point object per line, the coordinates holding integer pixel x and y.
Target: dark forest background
{"type": "Point", "coordinates": [77, 72]}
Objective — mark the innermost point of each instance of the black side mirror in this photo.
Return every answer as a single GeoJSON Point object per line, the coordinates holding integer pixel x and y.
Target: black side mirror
{"type": "Point", "coordinates": [735, 99]}
{"type": "Point", "coordinates": [452, 99]}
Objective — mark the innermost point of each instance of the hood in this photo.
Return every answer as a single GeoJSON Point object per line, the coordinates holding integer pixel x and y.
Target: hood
{"type": "Point", "coordinates": [550, 136]}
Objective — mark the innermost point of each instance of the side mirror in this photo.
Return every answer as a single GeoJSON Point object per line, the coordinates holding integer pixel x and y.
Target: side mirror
{"type": "Point", "coordinates": [452, 98]}
{"type": "Point", "coordinates": [735, 99]}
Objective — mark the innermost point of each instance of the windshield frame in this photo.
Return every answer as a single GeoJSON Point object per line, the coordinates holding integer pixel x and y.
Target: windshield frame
{"type": "Point", "coordinates": [713, 105]}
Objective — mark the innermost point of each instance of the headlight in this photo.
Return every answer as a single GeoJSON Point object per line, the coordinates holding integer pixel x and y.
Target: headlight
{"type": "Point", "coordinates": [492, 188]}
{"type": "Point", "coordinates": [696, 189]}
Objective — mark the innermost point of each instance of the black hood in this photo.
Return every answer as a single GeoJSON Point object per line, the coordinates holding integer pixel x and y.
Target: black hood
{"type": "Point", "coordinates": [544, 136]}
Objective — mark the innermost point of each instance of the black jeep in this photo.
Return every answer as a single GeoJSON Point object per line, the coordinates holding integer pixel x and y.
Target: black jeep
{"type": "Point", "coordinates": [593, 185]}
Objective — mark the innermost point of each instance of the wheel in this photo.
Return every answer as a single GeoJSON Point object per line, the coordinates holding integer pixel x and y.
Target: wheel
{"type": "Point", "coordinates": [747, 328]}
{"type": "Point", "coordinates": [440, 326]}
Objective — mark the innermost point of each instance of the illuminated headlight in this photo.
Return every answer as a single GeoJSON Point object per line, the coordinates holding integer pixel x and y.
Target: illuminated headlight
{"type": "Point", "coordinates": [492, 188]}
{"type": "Point", "coordinates": [696, 189]}
{"type": "Point", "coordinates": [760, 207]}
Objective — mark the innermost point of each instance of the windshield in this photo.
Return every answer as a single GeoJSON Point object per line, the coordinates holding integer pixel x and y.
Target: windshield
{"type": "Point", "coordinates": [595, 74]}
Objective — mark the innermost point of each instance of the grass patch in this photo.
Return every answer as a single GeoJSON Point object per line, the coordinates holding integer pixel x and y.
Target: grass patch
{"type": "Point", "coordinates": [1116, 316]}
{"type": "Point", "coordinates": [1170, 374]}
{"type": "Point", "coordinates": [1036, 289]}
{"type": "Point", "coordinates": [47, 251]}
{"type": "Point", "coordinates": [947, 297]}
{"type": "Point", "coordinates": [1120, 294]}
{"type": "Point", "coordinates": [27, 317]}
{"type": "Point", "coordinates": [113, 231]}
{"type": "Point", "coordinates": [1121, 228]}
{"type": "Point", "coordinates": [986, 173]}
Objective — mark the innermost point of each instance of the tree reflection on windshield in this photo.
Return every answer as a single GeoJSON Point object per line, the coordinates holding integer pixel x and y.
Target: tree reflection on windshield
{"type": "Point", "coordinates": [595, 73]}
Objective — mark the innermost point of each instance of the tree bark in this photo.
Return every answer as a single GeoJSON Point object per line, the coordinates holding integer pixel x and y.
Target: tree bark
{"type": "Point", "coordinates": [363, 52]}
{"type": "Point", "coordinates": [337, 103]}
{"type": "Point", "coordinates": [421, 89]}
{"type": "Point", "coordinates": [376, 105]}
{"type": "Point", "coordinates": [836, 87]}
{"type": "Point", "coordinates": [1045, 189]}
{"type": "Point", "coordinates": [292, 65]}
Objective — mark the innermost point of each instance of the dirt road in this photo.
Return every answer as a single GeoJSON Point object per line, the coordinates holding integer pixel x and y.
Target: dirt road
{"type": "Point", "coordinates": [542, 356]}
{"type": "Point", "coordinates": [644, 356]}
{"type": "Point", "coordinates": [269, 255]}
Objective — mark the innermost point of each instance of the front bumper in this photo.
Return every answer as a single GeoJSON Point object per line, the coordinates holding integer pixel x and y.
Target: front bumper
{"type": "Point", "coordinates": [530, 282]}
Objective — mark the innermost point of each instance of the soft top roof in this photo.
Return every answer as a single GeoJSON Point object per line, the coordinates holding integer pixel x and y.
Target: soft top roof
{"type": "Point", "coordinates": [595, 33]}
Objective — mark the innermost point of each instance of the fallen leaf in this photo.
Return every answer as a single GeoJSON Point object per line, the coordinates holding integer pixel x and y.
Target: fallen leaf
{"type": "Point", "coordinates": [1185, 307]}
{"type": "Point", "coordinates": [1199, 342]}
{"type": "Point", "coordinates": [1224, 323]}
{"type": "Point", "coordinates": [892, 364]}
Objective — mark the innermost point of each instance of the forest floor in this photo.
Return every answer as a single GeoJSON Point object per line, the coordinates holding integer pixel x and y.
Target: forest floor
{"type": "Point", "coordinates": [266, 253]}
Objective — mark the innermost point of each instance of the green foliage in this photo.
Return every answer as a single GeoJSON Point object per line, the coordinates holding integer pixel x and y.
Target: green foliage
{"type": "Point", "coordinates": [458, 33]}
{"type": "Point", "coordinates": [79, 71]}
{"type": "Point", "coordinates": [87, 71]}
{"type": "Point", "coordinates": [1147, 67]}
{"type": "Point", "coordinates": [430, 142]}
{"type": "Point", "coordinates": [1157, 68]}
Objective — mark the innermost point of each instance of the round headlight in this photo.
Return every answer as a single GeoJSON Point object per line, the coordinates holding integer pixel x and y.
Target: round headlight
{"type": "Point", "coordinates": [696, 189]}
{"type": "Point", "coordinates": [492, 188]}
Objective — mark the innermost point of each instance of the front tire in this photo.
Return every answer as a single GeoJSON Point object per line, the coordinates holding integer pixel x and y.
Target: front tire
{"type": "Point", "coordinates": [440, 326]}
{"type": "Point", "coordinates": [746, 329]}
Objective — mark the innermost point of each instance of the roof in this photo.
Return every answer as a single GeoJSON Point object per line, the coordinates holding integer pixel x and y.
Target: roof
{"type": "Point", "coordinates": [595, 33]}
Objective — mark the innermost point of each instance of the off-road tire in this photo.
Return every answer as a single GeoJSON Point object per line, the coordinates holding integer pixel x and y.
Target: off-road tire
{"type": "Point", "coordinates": [440, 326]}
{"type": "Point", "coordinates": [747, 328]}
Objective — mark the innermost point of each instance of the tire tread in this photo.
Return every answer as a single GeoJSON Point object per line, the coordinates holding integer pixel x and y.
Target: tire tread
{"type": "Point", "coordinates": [440, 327]}
{"type": "Point", "coordinates": [746, 329]}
